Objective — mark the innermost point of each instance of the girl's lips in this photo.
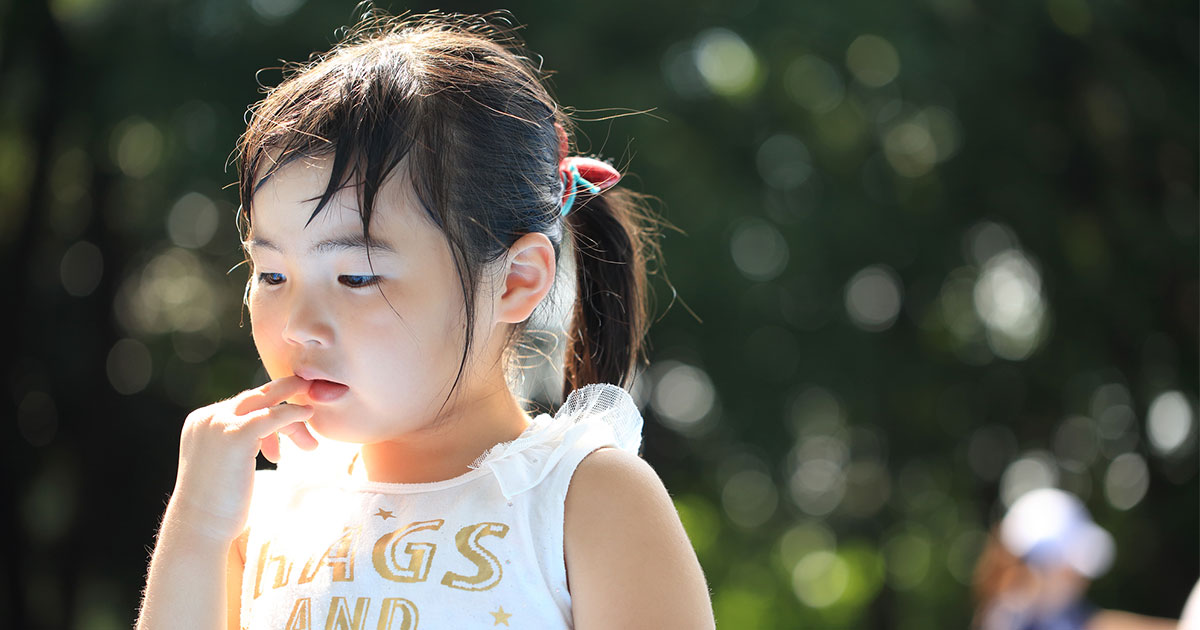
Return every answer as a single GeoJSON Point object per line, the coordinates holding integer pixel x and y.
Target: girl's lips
{"type": "Point", "coordinates": [321, 390]}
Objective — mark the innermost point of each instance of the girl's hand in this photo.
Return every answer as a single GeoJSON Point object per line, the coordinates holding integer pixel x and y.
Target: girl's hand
{"type": "Point", "coordinates": [217, 450]}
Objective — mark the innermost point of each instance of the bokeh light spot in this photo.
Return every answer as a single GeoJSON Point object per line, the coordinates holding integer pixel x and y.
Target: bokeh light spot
{"type": "Point", "coordinates": [1008, 299]}
{"type": "Point", "coordinates": [137, 146]}
{"type": "Point", "coordinates": [1126, 481]}
{"type": "Point", "coordinates": [129, 366]}
{"type": "Point", "coordinates": [683, 396]}
{"type": "Point", "coordinates": [174, 291]}
{"type": "Point", "coordinates": [192, 221]}
{"type": "Point", "coordinates": [758, 250]}
{"type": "Point", "coordinates": [817, 485]}
{"type": "Point", "coordinates": [784, 162]}
{"type": "Point", "coordinates": [820, 578]}
{"type": "Point", "coordinates": [803, 538]}
{"type": "Point", "coordinates": [749, 498]}
{"type": "Point", "coordinates": [873, 298]}
{"type": "Point", "coordinates": [726, 62]}
{"type": "Point", "coordinates": [910, 149]}
{"type": "Point", "coordinates": [81, 268]}
{"type": "Point", "coordinates": [814, 84]}
{"type": "Point", "coordinates": [1169, 422]}
{"type": "Point", "coordinates": [866, 571]}
{"type": "Point", "coordinates": [908, 558]}
{"type": "Point", "coordinates": [1035, 469]}
{"type": "Point", "coordinates": [873, 60]}
{"type": "Point", "coordinates": [844, 128]}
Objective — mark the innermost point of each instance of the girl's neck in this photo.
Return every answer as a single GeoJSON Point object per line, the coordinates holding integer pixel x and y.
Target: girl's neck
{"type": "Point", "coordinates": [448, 451]}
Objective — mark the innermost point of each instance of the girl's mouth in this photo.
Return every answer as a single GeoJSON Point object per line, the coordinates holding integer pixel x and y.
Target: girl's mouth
{"type": "Point", "coordinates": [321, 390]}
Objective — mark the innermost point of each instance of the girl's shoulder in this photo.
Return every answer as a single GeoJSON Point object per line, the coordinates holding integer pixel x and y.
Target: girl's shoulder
{"type": "Point", "coordinates": [611, 486]}
{"type": "Point", "coordinates": [612, 475]}
{"type": "Point", "coordinates": [620, 520]}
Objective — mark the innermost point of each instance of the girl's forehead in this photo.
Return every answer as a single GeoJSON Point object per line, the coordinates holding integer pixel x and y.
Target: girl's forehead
{"type": "Point", "coordinates": [286, 199]}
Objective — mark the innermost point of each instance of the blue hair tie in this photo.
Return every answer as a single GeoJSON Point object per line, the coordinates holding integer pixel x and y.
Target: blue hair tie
{"type": "Point", "coordinates": [573, 179]}
{"type": "Point", "coordinates": [591, 174]}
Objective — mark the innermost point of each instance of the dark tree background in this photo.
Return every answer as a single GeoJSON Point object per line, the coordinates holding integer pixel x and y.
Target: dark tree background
{"type": "Point", "coordinates": [932, 253]}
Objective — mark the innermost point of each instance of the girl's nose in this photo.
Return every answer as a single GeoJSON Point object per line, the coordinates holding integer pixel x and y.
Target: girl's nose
{"type": "Point", "coordinates": [307, 322]}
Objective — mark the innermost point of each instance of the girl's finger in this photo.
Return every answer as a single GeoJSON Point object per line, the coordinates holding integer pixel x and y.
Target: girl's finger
{"type": "Point", "coordinates": [264, 422]}
{"type": "Point", "coordinates": [269, 394]}
{"type": "Point", "coordinates": [270, 447]}
{"type": "Point", "coordinates": [299, 434]}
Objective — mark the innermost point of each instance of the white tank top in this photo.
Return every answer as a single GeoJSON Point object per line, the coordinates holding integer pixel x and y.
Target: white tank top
{"type": "Point", "coordinates": [327, 550]}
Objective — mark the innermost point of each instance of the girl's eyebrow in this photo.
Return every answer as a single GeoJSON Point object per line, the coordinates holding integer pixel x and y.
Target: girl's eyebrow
{"type": "Point", "coordinates": [335, 244]}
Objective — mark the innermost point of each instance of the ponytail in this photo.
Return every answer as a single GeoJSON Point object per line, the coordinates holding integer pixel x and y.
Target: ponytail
{"type": "Point", "coordinates": [614, 240]}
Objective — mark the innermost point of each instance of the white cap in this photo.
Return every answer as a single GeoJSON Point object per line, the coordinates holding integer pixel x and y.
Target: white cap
{"type": "Point", "coordinates": [1050, 527]}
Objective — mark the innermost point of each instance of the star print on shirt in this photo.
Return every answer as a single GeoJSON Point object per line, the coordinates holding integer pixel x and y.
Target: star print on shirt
{"type": "Point", "coordinates": [501, 617]}
{"type": "Point", "coordinates": [384, 514]}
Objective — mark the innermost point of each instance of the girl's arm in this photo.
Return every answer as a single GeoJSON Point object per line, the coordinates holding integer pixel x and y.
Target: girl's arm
{"type": "Point", "coordinates": [629, 562]}
{"type": "Point", "coordinates": [186, 587]}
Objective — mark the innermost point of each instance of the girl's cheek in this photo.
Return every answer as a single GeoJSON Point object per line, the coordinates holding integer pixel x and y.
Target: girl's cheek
{"type": "Point", "coordinates": [264, 322]}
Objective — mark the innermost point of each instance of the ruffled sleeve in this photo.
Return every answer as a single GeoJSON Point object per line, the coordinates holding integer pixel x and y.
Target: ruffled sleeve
{"type": "Point", "coordinates": [592, 417]}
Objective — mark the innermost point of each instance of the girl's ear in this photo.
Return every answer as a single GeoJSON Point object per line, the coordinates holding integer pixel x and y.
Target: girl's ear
{"type": "Point", "coordinates": [528, 276]}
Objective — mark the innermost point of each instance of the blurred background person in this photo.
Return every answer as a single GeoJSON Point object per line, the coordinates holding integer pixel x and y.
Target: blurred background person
{"type": "Point", "coordinates": [1036, 567]}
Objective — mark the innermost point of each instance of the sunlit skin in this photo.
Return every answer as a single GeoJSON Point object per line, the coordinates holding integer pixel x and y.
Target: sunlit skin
{"type": "Point", "coordinates": [317, 312]}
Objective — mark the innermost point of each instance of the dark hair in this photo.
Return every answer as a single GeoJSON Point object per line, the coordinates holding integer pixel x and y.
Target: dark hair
{"type": "Point", "coordinates": [455, 96]}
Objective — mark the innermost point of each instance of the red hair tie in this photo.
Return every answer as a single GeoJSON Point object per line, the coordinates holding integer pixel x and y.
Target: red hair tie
{"type": "Point", "coordinates": [593, 175]}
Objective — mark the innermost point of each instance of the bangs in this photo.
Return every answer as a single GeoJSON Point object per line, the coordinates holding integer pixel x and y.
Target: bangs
{"type": "Point", "coordinates": [358, 108]}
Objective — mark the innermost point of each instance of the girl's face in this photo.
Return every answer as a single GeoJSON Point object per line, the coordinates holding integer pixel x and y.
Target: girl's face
{"type": "Point", "coordinates": [378, 369]}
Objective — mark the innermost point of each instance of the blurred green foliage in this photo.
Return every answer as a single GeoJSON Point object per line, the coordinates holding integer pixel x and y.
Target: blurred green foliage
{"type": "Point", "coordinates": [937, 252]}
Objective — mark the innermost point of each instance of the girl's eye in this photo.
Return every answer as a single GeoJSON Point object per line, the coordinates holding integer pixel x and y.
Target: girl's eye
{"type": "Point", "coordinates": [352, 281]}
{"type": "Point", "coordinates": [357, 282]}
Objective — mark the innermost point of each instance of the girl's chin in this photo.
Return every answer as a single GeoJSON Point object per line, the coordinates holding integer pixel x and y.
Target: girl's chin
{"type": "Point", "coordinates": [330, 425]}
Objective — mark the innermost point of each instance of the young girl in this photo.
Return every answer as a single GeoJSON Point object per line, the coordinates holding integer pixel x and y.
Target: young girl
{"type": "Point", "coordinates": [405, 200]}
